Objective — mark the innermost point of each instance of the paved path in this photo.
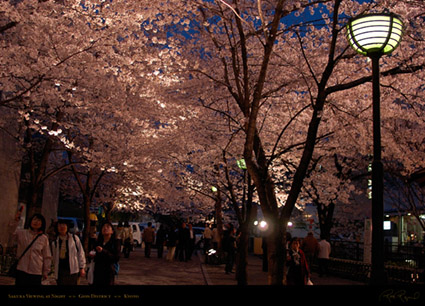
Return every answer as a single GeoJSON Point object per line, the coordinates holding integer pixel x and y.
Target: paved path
{"type": "Point", "coordinates": [256, 276]}
{"type": "Point", "coordinates": [138, 270]}
{"type": "Point", "coordinates": [154, 280]}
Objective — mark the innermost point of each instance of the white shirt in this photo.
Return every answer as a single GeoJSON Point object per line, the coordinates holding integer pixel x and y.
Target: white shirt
{"type": "Point", "coordinates": [207, 233]}
{"type": "Point", "coordinates": [38, 258]}
{"type": "Point", "coordinates": [77, 258]}
{"type": "Point", "coordinates": [324, 249]}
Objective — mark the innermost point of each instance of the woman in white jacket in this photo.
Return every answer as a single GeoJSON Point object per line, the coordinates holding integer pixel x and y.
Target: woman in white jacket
{"type": "Point", "coordinates": [68, 255]}
{"type": "Point", "coordinates": [34, 266]}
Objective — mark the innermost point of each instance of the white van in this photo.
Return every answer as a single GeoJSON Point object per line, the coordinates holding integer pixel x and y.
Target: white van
{"type": "Point", "coordinates": [137, 234]}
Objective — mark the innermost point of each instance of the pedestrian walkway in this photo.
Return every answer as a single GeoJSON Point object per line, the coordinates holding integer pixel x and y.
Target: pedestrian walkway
{"type": "Point", "coordinates": [138, 270]}
{"type": "Point", "coordinates": [154, 280]}
{"type": "Point", "coordinates": [256, 276]}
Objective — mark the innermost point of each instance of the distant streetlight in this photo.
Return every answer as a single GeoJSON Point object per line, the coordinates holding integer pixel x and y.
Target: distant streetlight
{"type": "Point", "coordinates": [241, 164]}
{"type": "Point", "coordinates": [261, 225]}
{"type": "Point", "coordinates": [374, 35]}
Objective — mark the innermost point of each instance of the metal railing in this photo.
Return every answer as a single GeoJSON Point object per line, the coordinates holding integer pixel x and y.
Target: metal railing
{"type": "Point", "coordinates": [403, 263]}
{"type": "Point", "coordinates": [395, 254]}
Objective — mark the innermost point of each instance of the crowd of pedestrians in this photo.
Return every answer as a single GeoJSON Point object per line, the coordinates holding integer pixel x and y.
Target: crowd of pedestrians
{"type": "Point", "coordinates": [180, 245]}
{"type": "Point", "coordinates": [38, 247]}
{"type": "Point", "coordinates": [36, 251]}
{"type": "Point", "coordinates": [178, 241]}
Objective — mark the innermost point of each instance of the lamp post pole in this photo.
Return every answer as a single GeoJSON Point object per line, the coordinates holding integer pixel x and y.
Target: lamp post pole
{"type": "Point", "coordinates": [377, 273]}
{"type": "Point", "coordinates": [374, 35]}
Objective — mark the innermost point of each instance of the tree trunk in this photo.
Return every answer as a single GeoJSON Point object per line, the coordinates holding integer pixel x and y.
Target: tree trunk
{"type": "Point", "coordinates": [38, 168]}
{"type": "Point", "coordinates": [275, 254]}
{"type": "Point", "coordinates": [266, 193]}
{"type": "Point", "coordinates": [33, 205]}
{"type": "Point", "coordinates": [219, 221]}
{"type": "Point", "coordinates": [242, 256]}
{"type": "Point", "coordinates": [86, 232]}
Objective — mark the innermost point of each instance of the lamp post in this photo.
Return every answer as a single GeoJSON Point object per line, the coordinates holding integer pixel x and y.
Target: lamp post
{"type": "Point", "coordinates": [374, 35]}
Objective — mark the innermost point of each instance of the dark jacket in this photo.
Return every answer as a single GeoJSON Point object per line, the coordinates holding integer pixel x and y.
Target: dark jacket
{"type": "Point", "coordinates": [161, 236]}
{"type": "Point", "coordinates": [104, 270]}
{"type": "Point", "coordinates": [298, 271]}
{"type": "Point", "coordinates": [171, 238]}
{"type": "Point", "coordinates": [229, 241]}
{"type": "Point", "coordinates": [183, 236]}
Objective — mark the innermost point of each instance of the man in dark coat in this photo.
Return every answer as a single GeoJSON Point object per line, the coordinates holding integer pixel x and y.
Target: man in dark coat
{"type": "Point", "coordinates": [183, 237]}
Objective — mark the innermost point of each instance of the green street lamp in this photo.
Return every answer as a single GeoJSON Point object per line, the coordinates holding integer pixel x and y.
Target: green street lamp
{"type": "Point", "coordinates": [241, 164]}
{"type": "Point", "coordinates": [375, 35]}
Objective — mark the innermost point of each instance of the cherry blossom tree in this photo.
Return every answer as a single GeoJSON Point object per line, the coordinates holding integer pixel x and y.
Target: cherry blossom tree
{"type": "Point", "coordinates": [85, 74]}
{"type": "Point", "coordinates": [145, 91]}
{"type": "Point", "coordinates": [269, 63]}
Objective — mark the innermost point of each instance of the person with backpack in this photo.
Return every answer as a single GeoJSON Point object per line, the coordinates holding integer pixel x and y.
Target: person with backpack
{"type": "Point", "coordinates": [68, 256]}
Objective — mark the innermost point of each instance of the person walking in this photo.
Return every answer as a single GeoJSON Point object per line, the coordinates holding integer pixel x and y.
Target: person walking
{"type": "Point", "coordinates": [161, 236]}
{"type": "Point", "coordinates": [92, 231]}
{"type": "Point", "coordinates": [68, 256]}
{"type": "Point", "coordinates": [215, 237]}
{"type": "Point", "coordinates": [191, 242]}
{"type": "Point", "coordinates": [323, 256]}
{"type": "Point", "coordinates": [171, 243]}
{"type": "Point", "coordinates": [34, 265]}
{"type": "Point", "coordinates": [310, 247]}
{"type": "Point", "coordinates": [148, 238]}
{"type": "Point", "coordinates": [298, 272]}
{"type": "Point", "coordinates": [127, 239]}
{"type": "Point", "coordinates": [229, 247]}
{"type": "Point", "coordinates": [106, 256]}
{"type": "Point", "coordinates": [119, 235]}
{"type": "Point", "coordinates": [182, 242]}
{"type": "Point", "coordinates": [207, 236]}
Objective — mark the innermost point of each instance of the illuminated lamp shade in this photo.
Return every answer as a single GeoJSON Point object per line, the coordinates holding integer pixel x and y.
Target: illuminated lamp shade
{"type": "Point", "coordinates": [374, 34]}
{"type": "Point", "coordinates": [241, 163]}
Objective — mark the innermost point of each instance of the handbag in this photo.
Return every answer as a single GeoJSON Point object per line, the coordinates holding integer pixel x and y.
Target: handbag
{"type": "Point", "coordinates": [12, 269]}
{"type": "Point", "coordinates": [90, 272]}
{"type": "Point", "coordinates": [14, 265]}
